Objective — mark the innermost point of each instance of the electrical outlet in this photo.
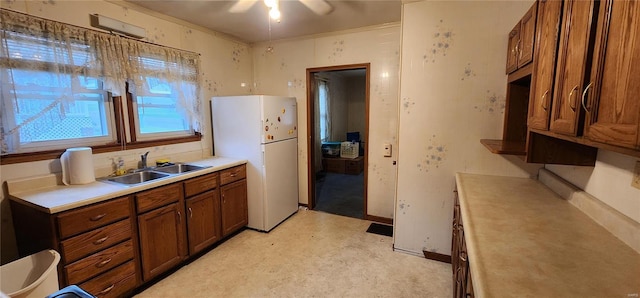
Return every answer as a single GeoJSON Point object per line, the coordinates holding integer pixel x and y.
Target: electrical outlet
{"type": "Point", "coordinates": [635, 182]}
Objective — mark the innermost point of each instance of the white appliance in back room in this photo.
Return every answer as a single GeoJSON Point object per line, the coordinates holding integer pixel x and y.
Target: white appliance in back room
{"type": "Point", "coordinates": [264, 130]}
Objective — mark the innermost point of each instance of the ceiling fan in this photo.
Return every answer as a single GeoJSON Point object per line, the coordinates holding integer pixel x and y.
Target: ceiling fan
{"type": "Point", "coordinates": [320, 7]}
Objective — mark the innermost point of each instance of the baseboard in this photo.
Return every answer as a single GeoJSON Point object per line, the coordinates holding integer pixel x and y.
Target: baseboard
{"type": "Point", "coordinates": [437, 257]}
{"type": "Point", "coordinates": [379, 219]}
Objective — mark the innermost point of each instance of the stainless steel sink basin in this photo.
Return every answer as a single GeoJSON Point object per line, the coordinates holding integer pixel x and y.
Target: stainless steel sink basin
{"type": "Point", "coordinates": [178, 168]}
{"type": "Point", "coordinates": [136, 178]}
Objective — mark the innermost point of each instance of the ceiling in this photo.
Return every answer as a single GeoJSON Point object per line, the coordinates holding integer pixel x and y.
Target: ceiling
{"type": "Point", "coordinates": [297, 20]}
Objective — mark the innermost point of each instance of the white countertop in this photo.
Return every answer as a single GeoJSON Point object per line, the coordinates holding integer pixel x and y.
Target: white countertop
{"type": "Point", "coordinates": [44, 192]}
{"type": "Point", "coordinates": [523, 240]}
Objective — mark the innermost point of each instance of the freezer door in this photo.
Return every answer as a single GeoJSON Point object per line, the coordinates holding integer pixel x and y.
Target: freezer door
{"type": "Point", "coordinates": [279, 118]}
{"type": "Point", "coordinates": [280, 181]}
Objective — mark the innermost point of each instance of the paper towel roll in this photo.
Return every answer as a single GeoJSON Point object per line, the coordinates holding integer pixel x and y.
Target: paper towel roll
{"type": "Point", "coordinates": [77, 166]}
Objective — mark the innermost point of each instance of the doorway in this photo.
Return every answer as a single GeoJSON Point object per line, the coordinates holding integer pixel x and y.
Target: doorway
{"type": "Point", "coordinates": [338, 122]}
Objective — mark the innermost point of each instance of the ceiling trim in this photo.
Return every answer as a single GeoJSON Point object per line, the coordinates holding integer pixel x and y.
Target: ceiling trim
{"type": "Point", "coordinates": [326, 34]}
{"type": "Point", "coordinates": [165, 17]}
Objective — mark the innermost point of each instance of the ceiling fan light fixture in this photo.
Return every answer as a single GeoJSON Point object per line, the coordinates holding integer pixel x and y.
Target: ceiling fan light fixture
{"type": "Point", "coordinates": [271, 3]}
{"type": "Point", "coordinates": [274, 13]}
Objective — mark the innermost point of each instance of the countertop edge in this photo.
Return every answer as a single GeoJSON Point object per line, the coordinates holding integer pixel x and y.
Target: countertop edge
{"type": "Point", "coordinates": [478, 286]}
{"type": "Point", "coordinates": [112, 191]}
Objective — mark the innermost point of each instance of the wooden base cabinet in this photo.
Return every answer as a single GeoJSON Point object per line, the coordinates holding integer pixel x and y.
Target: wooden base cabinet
{"type": "Point", "coordinates": [233, 194]}
{"type": "Point", "coordinates": [462, 285]}
{"type": "Point", "coordinates": [112, 247]}
{"type": "Point", "coordinates": [203, 220]}
{"type": "Point", "coordinates": [97, 244]}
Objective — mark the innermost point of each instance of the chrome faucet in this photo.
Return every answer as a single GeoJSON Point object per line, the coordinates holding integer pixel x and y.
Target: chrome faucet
{"type": "Point", "coordinates": [143, 160]}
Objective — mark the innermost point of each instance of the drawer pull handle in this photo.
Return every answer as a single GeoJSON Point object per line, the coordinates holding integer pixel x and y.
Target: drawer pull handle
{"type": "Point", "coordinates": [190, 213]}
{"type": "Point", "coordinates": [101, 240]}
{"type": "Point", "coordinates": [179, 217]}
{"type": "Point", "coordinates": [572, 102]}
{"type": "Point", "coordinates": [233, 174]}
{"type": "Point", "coordinates": [463, 256]}
{"type": "Point", "coordinates": [98, 217]}
{"type": "Point", "coordinates": [107, 290]}
{"type": "Point", "coordinates": [584, 97]}
{"type": "Point", "coordinates": [105, 262]}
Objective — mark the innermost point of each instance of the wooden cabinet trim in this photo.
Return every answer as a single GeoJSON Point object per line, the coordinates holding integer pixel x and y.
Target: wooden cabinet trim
{"type": "Point", "coordinates": [83, 219]}
{"type": "Point", "coordinates": [100, 262]}
{"type": "Point", "coordinates": [200, 184]}
{"type": "Point", "coordinates": [113, 283]}
{"type": "Point", "coordinates": [157, 197]}
{"type": "Point", "coordinates": [85, 244]}
{"type": "Point", "coordinates": [233, 174]}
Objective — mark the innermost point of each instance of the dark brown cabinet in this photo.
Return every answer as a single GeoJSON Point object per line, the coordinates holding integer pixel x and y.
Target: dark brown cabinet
{"type": "Point", "coordinates": [612, 96]}
{"type": "Point", "coordinates": [462, 284]}
{"type": "Point", "coordinates": [203, 220]}
{"type": "Point", "coordinates": [234, 206]}
{"type": "Point", "coordinates": [112, 247]}
{"type": "Point", "coordinates": [572, 67]}
{"type": "Point", "coordinates": [203, 212]}
{"type": "Point", "coordinates": [94, 243]}
{"type": "Point", "coordinates": [161, 228]}
{"type": "Point", "coordinates": [543, 75]}
{"type": "Point", "coordinates": [521, 41]}
{"type": "Point", "coordinates": [233, 196]}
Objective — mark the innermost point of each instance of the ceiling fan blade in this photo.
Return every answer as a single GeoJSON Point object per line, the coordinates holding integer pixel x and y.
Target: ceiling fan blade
{"type": "Point", "coordinates": [242, 6]}
{"type": "Point", "coordinates": [320, 7]}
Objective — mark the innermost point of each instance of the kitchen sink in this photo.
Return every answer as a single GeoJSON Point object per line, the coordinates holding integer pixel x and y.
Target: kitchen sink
{"type": "Point", "coordinates": [178, 168]}
{"type": "Point", "coordinates": [137, 178]}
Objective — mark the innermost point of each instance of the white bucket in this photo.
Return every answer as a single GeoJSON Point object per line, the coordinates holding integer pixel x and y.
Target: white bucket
{"type": "Point", "coordinates": [32, 276]}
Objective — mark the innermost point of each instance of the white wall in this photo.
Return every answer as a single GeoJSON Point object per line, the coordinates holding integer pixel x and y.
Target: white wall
{"type": "Point", "coordinates": [283, 72]}
{"type": "Point", "coordinates": [226, 65]}
{"type": "Point", "coordinates": [452, 94]}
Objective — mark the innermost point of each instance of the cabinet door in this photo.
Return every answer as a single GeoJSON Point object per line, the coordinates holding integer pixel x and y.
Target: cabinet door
{"type": "Point", "coordinates": [566, 116]}
{"type": "Point", "coordinates": [203, 220]}
{"type": "Point", "coordinates": [547, 33]}
{"type": "Point", "coordinates": [234, 206]}
{"type": "Point", "coordinates": [527, 36]}
{"type": "Point", "coordinates": [512, 49]}
{"type": "Point", "coordinates": [613, 108]}
{"type": "Point", "coordinates": [162, 239]}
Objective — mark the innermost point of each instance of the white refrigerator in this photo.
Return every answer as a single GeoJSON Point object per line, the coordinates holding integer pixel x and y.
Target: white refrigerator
{"type": "Point", "coordinates": [264, 130]}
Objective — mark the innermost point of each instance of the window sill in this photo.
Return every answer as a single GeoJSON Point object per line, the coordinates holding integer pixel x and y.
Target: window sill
{"type": "Point", "coordinates": [54, 154]}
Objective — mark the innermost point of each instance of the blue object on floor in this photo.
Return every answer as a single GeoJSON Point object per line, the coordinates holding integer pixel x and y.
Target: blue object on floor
{"type": "Point", "coordinates": [71, 291]}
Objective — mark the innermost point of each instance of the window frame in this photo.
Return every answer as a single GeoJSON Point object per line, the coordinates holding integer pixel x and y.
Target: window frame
{"type": "Point", "coordinates": [121, 121]}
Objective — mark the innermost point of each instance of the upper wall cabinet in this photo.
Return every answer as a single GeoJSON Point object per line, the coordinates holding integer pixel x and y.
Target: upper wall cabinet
{"type": "Point", "coordinates": [544, 65]}
{"type": "Point", "coordinates": [613, 102]}
{"type": "Point", "coordinates": [573, 66]}
{"type": "Point", "coordinates": [521, 41]}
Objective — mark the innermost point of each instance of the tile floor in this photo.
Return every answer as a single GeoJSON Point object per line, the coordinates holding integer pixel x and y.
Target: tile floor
{"type": "Point", "coordinates": [312, 254]}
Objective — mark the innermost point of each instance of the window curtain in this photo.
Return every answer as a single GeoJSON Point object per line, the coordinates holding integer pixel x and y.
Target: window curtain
{"type": "Point", "coordinates": [69, 54]}
{"type": "Point", "coordinates": [150, 63]}
{"type": "Point", "coordinates": [322, 121]}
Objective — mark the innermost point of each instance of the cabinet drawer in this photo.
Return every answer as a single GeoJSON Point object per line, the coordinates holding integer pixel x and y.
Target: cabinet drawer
{"type": "Point", "coordinates": [200, 184]}
{"type": "Point", "coordinates": [87, 218]}
{"type": "Point", "coordinates": [233, 174]}
{"type": "Point", "coordinates": [100, 262]}
{"type": "Point", "coordinates": [85, 244]}
{"type": "Point", "coordinates": [113, 283]}
{"type": "Point", "coordinates": [158, 197]}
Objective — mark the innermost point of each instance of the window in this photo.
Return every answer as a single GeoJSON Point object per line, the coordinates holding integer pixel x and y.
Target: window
{"type": "Point", "coordinates": [325, 120]}
{"type": "Point", "coordinates": [60, 84]}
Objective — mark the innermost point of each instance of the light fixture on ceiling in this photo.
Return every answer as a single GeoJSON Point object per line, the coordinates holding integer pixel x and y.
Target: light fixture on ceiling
{"type": "Point", "coordinates": [274, 11]}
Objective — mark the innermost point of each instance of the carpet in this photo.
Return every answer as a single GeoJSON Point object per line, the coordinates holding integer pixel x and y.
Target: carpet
{"type": "Point", "coordinates": [340, 194]}
{"type": "Point", "coordinates": [384, 230]}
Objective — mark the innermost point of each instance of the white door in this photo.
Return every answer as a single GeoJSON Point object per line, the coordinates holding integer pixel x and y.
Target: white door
{"type": "Point", "coordinates": [280, 181]}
